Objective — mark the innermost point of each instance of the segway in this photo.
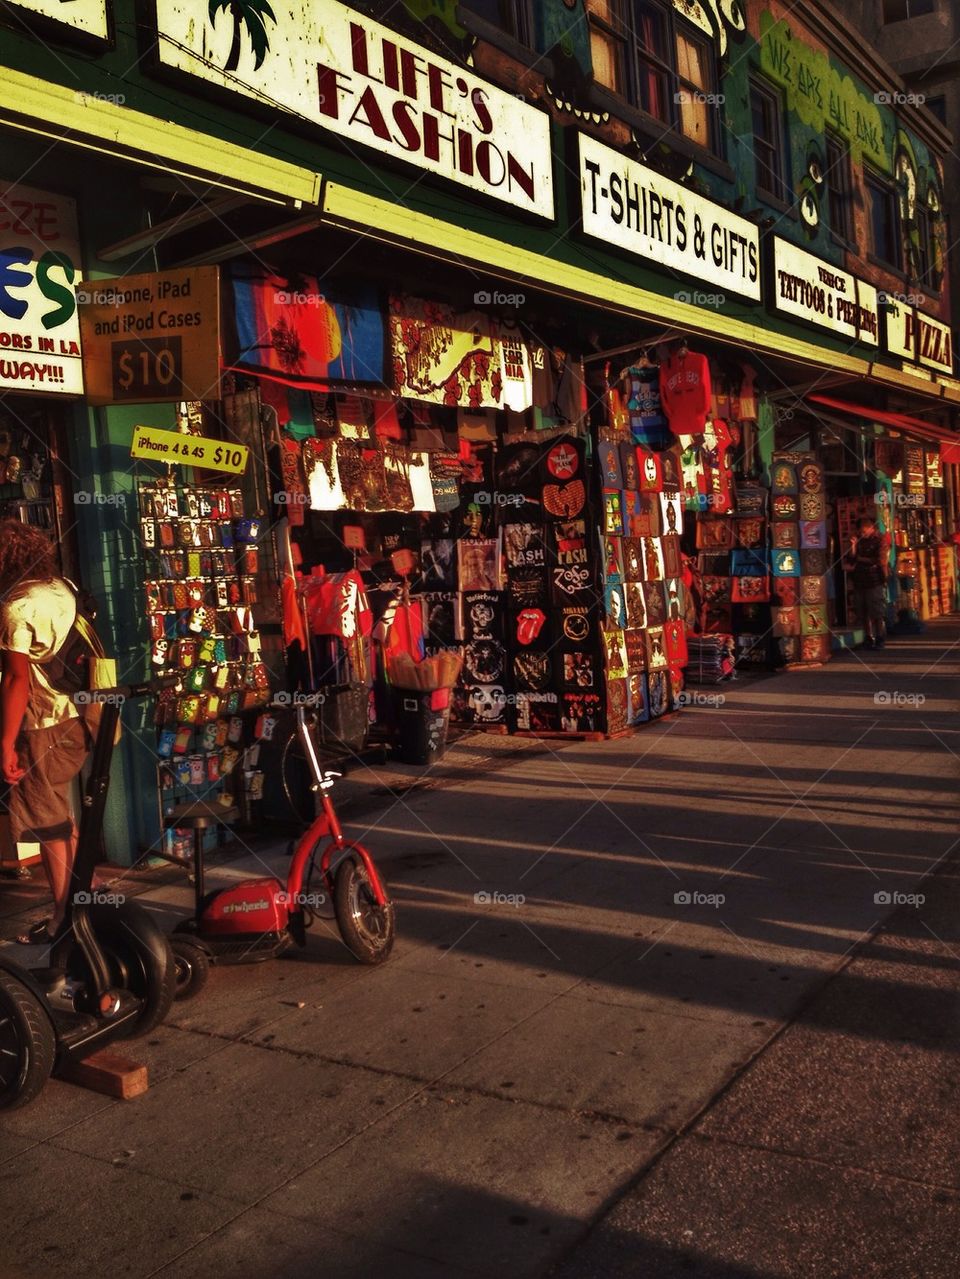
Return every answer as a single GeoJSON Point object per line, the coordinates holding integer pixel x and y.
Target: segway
{"type": "Point", "coordinates": [258, 919]}
{"type": "Point", "coordinates": [111, 972]}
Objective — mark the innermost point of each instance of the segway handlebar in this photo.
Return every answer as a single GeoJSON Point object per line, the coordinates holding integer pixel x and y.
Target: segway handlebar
{"type": "Point", "coordinates": [125, 692]}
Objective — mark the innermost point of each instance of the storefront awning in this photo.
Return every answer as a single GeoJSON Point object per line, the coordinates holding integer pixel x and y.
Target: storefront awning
{"type": "Point", "coordinates": [926, 431]}
{"type": "Point", "coordinates": [375, 217]}
{"type": "Point", "coordinates": [32, 105]}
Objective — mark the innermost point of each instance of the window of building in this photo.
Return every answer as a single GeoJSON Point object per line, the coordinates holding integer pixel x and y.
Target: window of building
{"type": "Point", "coordinates": [768, 140]}
{"type": "Point", "coordinates": [646, 54]}
{"type": "Point", "coordinates": [608, 44]}
{"type": "Point", "coordinates": [884, 219]}
{"type": "Point", "coordinates": [938, 105]}
{"type": "Point", "coordinates": [651, 48]}
{"type": "Point", "coordinates": [836, 179]}
{"type": "Point", "coordinates": [696, 89]}
{"type": "Point", "coordinates": [926, 272]}
{"type": "Point", "coordinates": [511, 16]}
{"type": "Point", "coordinates": [900, 10]}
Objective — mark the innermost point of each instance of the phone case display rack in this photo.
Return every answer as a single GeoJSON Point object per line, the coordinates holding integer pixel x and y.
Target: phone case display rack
{"type": "Point", "coordinates": [202, 560]}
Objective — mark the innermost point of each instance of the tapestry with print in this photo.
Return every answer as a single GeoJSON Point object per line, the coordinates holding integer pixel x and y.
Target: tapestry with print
{"type": "Point", "coordinates": [443, 356]}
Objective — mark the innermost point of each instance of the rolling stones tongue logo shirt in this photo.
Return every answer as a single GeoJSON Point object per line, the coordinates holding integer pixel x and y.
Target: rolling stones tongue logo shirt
{"type": "Point", "coordinates": [530, 622]}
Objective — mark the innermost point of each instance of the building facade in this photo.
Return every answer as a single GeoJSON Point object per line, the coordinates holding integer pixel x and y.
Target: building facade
{"type": "Point", "coordinates": [749, 179]}
{"type": "Point", "coordinates": [919, 38]}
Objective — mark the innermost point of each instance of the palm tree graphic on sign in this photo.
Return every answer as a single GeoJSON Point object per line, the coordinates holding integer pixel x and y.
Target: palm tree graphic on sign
{"type": "Point", "coordinates": [251, 14]}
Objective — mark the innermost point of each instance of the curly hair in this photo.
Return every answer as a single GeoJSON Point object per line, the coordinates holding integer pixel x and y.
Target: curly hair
{"type": "Point", "coordinates": [26, 555]}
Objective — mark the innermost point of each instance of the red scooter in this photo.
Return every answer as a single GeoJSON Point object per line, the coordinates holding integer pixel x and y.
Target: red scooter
{"type": "Point", "coordinates": [257, 919]}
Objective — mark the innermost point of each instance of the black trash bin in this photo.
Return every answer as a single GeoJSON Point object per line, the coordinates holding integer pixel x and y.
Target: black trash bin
{"type": "Point", "coordinates": [422, 720]}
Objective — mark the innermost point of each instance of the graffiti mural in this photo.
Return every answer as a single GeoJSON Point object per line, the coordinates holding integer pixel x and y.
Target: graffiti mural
{"type": "Point", "coordinates": [822, 95]}
{"type": "Point", "coordinates": [716, 18]}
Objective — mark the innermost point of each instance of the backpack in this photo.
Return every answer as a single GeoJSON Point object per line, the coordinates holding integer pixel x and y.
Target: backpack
{"type": "Point", "coordinates": [70, 669]}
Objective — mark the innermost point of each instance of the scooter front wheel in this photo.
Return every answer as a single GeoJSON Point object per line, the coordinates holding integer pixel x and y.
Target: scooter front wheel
{"type": "Point", "coordinates": [193, 968]}
{"type": "Point", "coordinates": [27, 1044]}
{"type": "Point", "coordinates": [367, 928]}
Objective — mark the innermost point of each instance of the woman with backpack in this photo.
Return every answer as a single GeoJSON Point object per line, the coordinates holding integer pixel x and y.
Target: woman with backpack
{"type": "Point", "coordinates": [44, 742]}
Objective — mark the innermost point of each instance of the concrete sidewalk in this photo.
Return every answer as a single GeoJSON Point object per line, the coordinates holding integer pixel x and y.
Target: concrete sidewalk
{"type": "Point", "coordinates": [608, 956]}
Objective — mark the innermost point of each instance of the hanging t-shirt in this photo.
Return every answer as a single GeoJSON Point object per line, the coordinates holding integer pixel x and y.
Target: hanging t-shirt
{"type": "Point", "coordinates": [541, 371]}
{"type": "Point", "coordinates": [517, 370]}
{"type": "Point", "coordinates": [337, 605]}
{"type": "Point", "coordinates": [323, 475]}
{"type": "Point", "coordinates": [637, 391]}
{"type": "Point", "coordinates": [557, 382]}
{"type": "Point", "coordinates": [685, 392]}
{"type": "Point", "coordinates": [642, 391]}
{"type": "Point", "coordinates": [294, 630]}
{"type": "Point", "coordinates": [571, 395]}
{"type": "Point", "coordinates": [421, 485]}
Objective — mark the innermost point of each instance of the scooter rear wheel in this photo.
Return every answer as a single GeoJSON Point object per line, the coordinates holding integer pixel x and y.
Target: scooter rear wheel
{"type": "Point", "coordinates": [193, 968]}
{"type": "Point", "coordinates": [367, 928]}
{"type": "Point", "coordinates": [27, 1044]}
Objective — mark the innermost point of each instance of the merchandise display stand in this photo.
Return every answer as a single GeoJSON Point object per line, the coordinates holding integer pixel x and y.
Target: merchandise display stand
{"type": "Point", "coordinates": [203, 561]}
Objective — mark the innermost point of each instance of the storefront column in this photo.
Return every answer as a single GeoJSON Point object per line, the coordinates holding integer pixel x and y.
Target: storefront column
{"type": "Point", "coordinates": [111, 567]}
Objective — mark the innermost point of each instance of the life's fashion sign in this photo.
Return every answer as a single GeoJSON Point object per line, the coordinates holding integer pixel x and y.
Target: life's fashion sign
{"type": "Point", "coordinates": [39, 268]}
{"type": "Point", "coordinates": [822, 294]}
{"type": "Point", "coordinates": [371, 86]}
{"type": "Point", "coordinates": [630, 206]}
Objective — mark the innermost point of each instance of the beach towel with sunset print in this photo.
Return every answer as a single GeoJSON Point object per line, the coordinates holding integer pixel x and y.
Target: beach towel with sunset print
{"type": "Point", "coordinates": [304, 332]}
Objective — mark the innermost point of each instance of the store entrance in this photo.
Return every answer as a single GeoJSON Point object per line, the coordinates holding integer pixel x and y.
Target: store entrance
{"type": "Point", "coordinates": [35, 489]}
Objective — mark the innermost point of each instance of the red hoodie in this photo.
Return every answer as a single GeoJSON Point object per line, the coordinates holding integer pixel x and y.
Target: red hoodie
{"type": "Point", "coordinates": [685, 392]}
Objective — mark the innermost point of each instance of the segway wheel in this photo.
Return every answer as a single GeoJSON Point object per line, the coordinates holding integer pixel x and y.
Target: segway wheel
{"type": "Point", "coordinates": [367, 928]}
{"type": "Point", "coordinates": [193, 968]}
{"type": "Point", "coordinates": [27, 1044]}
{"type": "Point", "coordinates": [140, 960]}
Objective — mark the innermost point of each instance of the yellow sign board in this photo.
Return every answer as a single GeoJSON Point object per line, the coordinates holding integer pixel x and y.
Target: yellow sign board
{"type": "Point", "coordinates": [152, 339]}
{"type": "Point", "coordinates": [188, 450]}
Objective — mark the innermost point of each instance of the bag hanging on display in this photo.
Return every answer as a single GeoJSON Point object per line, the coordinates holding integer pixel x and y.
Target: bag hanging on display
{"type": "Point", "coordinates": [344, 718]}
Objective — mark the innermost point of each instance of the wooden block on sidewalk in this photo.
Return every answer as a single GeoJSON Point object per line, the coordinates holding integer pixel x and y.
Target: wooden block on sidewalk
{"type": "Point", "coordinates": [108, 1073]}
